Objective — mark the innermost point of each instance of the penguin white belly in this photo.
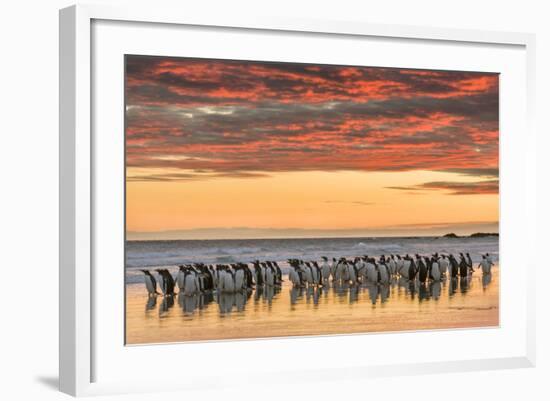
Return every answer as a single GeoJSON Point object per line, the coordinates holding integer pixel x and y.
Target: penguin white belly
{"type": "Point", "coordinates": [443, 265]}
{"type": "Point", "coordinates": [436, 274]}
{"type": "Point", "coordinates": [190, 285]}
{"type": "Point", "coordinates": [391, 267]}
{"type": "Point", "coordinates": [485, 267]}
{"type": "Point", "coordinates": [293, 276]}
{"type": "Point", "coordinates": [179, 279]}
{"type": "Point", "coordinates": [309, 275]}
{"type": "Point", "coordinates": [269, 278]}
{"type": "Point", "coordinates": [149, 285]}
{"type": "Point", "coordinates": [228, 283]}
{"type": "Point", "coordinates": [239, 280]}
{"type": "Point", "coordinates": [404, 271]}
{"type": "Point", "coordinates": [351, 274]}
{"type": "Point", "coordinates": [384, 276]}
{"type": "Point", "coordinates": [325, 271]}
{"type": "Point", "coordinates": [372, 275]}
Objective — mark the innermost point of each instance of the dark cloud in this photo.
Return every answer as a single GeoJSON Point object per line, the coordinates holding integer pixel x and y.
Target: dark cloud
{"type": "Point", "coordinates": [234, 117]}
{"type": "Point", "coordinates": [456, 188]}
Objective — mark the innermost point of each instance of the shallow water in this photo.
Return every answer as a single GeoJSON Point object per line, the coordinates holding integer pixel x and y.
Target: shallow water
{"type": "Point", "coordinates": [401, 305]}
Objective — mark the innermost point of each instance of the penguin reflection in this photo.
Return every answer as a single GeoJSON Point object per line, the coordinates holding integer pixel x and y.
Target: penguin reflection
{"type": "Point", "coordinates": [423, 292]}
{"type": "Point", "coordinates": [453, 285]}
{"type": "Point", "coordinates": [373, 292]}
{"type": "Point", "coordinates": [384, 292]}
{"type": "Point", "coordinates": [188, 303]}
{"type": "Point", "coordinates": [486, 280]}
{"type": "Point", "coordinates": [353, 294]}
{"type": "Point", "coordinates": [464, 284]}
{"type": "Point", "coordinates": [166, 304]}
{"type": "Point", "coordinates": [296, 293]}
{"type": "Point", "coordinates": [226, 300]}
{"type": "Point", "coordinates": [435, 289]}
{"type": "Point", "coordinates": [151, 302]}
{"type": "Point", "coordinates": [240, 301]}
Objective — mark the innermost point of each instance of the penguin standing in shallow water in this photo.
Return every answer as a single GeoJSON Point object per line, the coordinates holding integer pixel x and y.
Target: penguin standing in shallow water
{"type": "Point", "coordinates": [150, 283]}
{"type": "Point", "coordinates": [454, 266]}
{"type": "Point", "coordinates": [167, 282]}
{"type": "Point", "coordinates": [422, 269]}
{"type": "Point", "coordinates": [463, 266]}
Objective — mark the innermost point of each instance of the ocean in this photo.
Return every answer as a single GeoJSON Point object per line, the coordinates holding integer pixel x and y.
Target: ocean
{"type": "Point", "coordinates": [169, 254]}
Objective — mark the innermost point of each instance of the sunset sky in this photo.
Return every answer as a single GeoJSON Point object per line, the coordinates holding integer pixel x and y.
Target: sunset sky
{"type": "Point", "coordinates": [219, 149]}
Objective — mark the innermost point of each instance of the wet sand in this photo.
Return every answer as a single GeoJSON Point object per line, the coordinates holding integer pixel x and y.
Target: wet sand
{"type": "Point", "coordinates": [266, 313]}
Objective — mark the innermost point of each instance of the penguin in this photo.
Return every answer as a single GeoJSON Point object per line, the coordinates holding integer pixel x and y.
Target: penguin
{"type": "Point", "coordinates": [269, 277]}
{"type": "Point", "coordinates": [325, 270]}
{"type": "Point", "coordinates": [228, 284]}
{"type": "Point", "coordinates": [279, 273]}
{"type": "Point", "coordinates": [435, 272]}
{"type": "Point", "coordinates": [463, 266]}
{"type": "Point", "coordinates": [309, 274]}
{"type": "Point", "coordinates": [150, 283]}
{"type": "Point", "coordinates": [191, 284]}
{"type": "Point", "coordinates": [392, 265]}
{"type": "Point", "coordinates": [470, 263]}
{"type": "Point", "coordinates": [180, 277]}
{"type": "Point", "coordinates": [412, 269]}
{"type": "Point", "coordinates": [335, 270]}
{"type": "Point", "coordinates": [383, 274]}
{"type": "Point", "coordinates": [167, 282]}
{"type": "Point", "coordinates": [239, 278]}
{"type": "Point", "coordinates": [422, 269]}
{"type": "Point", "coordinates": [485, 265]}
{"type": "Point", "coordinates": [454, 266]}
{"type": "Point", "coordinates": [258, 275]}
{"type": "Point", "coordinates": [293, 275]}
{"type": "Point", "coordinates": [443, 265]}
{"type": "Point", "coordinates": [370, 270]}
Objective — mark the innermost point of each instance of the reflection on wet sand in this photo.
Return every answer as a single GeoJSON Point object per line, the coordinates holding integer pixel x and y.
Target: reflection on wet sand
{"type": "Point", "coordinates": [325, 309]}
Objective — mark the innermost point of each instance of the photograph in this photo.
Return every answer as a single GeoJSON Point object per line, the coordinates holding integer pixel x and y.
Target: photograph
{"type": "Point", "coordinates": [270, 199]}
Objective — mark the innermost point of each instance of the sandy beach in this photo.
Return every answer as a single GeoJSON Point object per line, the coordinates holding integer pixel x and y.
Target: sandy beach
{"type": "Point", "coordinates": [366, 309]}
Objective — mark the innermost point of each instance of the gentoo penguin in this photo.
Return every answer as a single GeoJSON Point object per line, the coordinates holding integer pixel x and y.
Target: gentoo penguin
{"type": "Point", "coordinates": [325, 269]}
{"type": "Point", "coordinates": [370, 270]}
{"type": "Point", "coordinates": [428, 262]}
{"type": "Point", "coordinates": [422, 269]}
{"type": "Point", "coordinates": [180, 277]}
{"type": "Point", "coordinates": [470, 263]}
{"type": "Point", "coordinates": [150, 283]}
{"type": "Point", "coordinates": [228, 284]}
{"type": "Point", "coordinates": [333, 266]}
{"type": "Point", "coordinates": [167, 282]}
{"type": "Point", "coordinates": [191, 284]}
{"type": "Point", "coordinates": [309, 274]}
{"type": "Point", "coordinates": [392, 266]}
{"type": "Point", "coordinates": [279, 273]}
{"type": "Point", "coordinates": [317, 276]}
{"type": "Point", "coordinates": [239, 279]}
{"type": "Point", "coordinates": [269, 276]}
{"type": "Point", "coordinates": [435, 272]}
{"type": "Point", "coordinates": [454, 266]}
{"type": "Point", "coordinates": [258, 275]}
{"type": "Point", "coordinates": [383, 274]}
{"type": "Point", "coordinates": [463, 266]}
{"type": "Point", "coordinates": [443, 265]}
{"type": "Point", "coordinates": [485, 265]}
{"type": "Point", "coordinates": [293, 275]}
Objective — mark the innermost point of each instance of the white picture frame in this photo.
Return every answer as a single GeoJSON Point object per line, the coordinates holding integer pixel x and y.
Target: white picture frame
{"type": "Point", "coordinates": [79, 343]}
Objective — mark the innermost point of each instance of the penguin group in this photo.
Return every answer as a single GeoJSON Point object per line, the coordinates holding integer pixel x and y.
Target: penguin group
{"type": "Point", "coordinates": [363, 269]}
{"type": "Point", "coordinates": [198, 278]}
{"type": "Point", "coordinates": [231, 285]}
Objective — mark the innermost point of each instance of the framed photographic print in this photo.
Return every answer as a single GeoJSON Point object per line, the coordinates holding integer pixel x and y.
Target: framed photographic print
{"type": "Point", "coordinates": [268, 188]}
